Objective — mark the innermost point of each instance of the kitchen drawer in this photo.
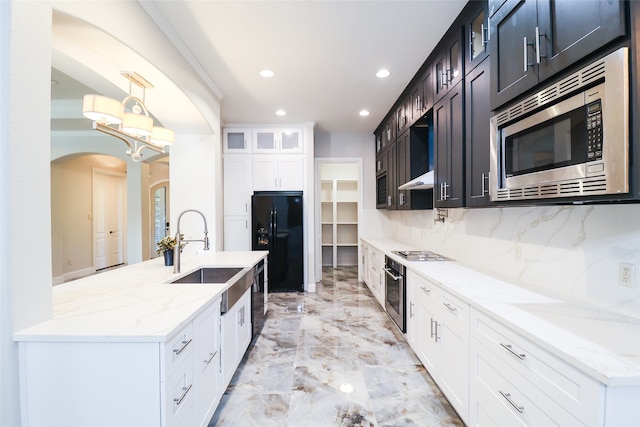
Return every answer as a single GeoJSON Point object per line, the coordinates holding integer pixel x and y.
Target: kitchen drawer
{"type": "Point", "coordinates": [502, 397]}
{"type": "Point", "coordinates": [426, 291]}
{"type": "Point", "coordinates": [376, 261]}
{"type": "Point", "coordinates": [178, 348]}
{"type": "Point", "coordinates": [455, 313]}
{"type": "Point", "coordinates": [179, 394]}
{"type": "Point", "coordinates": [578, 393]}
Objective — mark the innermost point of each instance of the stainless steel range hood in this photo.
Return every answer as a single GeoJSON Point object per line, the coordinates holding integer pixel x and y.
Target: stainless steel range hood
{"type": "Point", "coordinates": [422, 182]}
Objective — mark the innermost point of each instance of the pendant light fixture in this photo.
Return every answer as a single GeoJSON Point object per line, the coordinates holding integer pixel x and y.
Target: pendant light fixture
{"type": "Point", "coordinates": [128, 120]}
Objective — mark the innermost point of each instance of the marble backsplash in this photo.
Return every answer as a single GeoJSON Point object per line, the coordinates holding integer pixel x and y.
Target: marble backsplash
{"type": "Point", "coordinates": [573, 251]}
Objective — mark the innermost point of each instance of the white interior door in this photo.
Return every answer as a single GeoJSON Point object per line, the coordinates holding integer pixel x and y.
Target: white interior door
{"type": "Point", "coordinates": [108, 218]}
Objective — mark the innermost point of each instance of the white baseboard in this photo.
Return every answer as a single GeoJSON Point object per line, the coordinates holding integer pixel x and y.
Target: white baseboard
{"type": "Point", "coordinates": [73, 275]}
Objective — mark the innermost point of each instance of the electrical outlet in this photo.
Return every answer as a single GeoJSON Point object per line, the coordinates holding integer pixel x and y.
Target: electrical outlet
{"type": "Point", "coordinates": [627, 275]}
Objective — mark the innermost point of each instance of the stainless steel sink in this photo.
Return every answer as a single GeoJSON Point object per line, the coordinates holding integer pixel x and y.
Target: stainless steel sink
{"type": "Point", "coordinates": [222, 275]}
{"type": "Point", "coordinates": [209, 275]}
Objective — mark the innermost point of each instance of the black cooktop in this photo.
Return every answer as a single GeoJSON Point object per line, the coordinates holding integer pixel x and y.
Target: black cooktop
{"type": "Point", "coordinates": [421, 256]}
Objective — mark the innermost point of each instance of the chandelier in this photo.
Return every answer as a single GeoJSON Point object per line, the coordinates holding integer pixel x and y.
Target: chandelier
{"type": "Point", "coordinates": [128, 120]}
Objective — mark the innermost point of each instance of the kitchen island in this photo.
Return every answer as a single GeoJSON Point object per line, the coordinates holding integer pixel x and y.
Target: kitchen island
{"type": "Point", "coordinates": [127, 347]}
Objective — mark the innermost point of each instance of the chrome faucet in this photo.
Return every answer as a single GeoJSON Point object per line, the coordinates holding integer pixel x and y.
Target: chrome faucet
{"type": "Point", "coordinates": [181, 243]}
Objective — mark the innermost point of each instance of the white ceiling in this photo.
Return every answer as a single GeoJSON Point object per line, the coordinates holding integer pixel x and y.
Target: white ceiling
{"type": "Point", "coordinates": [324, 54]}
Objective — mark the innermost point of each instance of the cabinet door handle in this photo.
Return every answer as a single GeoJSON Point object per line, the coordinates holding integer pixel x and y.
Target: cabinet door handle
{"type": "Point", "coordinates": [443, 191]}
{"type": "Point", "coordinates": [450, 307]}
{"type": "Point", "coordinates": [434, 330]}
{"type": "Point", "coordinates": [508, 347]}
{"type": "Point", "coordinates": [508, 397]}
{"type": "Point", "coordinates": [525, 63]}
{"type": "Point", "coordinates": [212, 355]}
{"type": "Point", "coordinates": [185, 390]}
{"type": "Point", "coordinates": [177, 351]}
{"type": "Point", "coordinates": [483, 187]}
{"type": "Point", "coordinates": [488, 29]}
{"type": "Point", "coordinates": [538, 35]}
{"type": "Point", "coordinates": [483, 40]}
{"type": "Point", "coordinates": [411, 310]}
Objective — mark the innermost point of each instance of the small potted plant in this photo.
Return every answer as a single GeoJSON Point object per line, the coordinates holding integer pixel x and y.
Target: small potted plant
{"type": "Point", "coordinates": [166, 246]}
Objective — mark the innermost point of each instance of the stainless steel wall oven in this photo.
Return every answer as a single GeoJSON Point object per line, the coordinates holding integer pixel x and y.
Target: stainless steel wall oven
{"type": "Point", "coordinates": [395, 296]}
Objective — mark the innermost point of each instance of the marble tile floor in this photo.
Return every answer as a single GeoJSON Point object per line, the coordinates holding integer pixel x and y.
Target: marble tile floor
{"type": "Point", "coordinates": [331, 358]}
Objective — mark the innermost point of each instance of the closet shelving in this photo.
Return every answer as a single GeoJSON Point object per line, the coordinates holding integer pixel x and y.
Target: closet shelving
{"type": "Point", "coordinates": [339, 222]}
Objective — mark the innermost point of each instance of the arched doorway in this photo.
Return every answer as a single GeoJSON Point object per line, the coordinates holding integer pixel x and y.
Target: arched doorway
{"type": "Point", "coordinates": [74, 213]}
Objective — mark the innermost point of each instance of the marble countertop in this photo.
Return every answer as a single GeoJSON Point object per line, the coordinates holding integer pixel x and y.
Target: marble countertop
{"type": "Point", "coordinates": [602, 343]}
{"type": "Point", "coordinates": [135, 303]}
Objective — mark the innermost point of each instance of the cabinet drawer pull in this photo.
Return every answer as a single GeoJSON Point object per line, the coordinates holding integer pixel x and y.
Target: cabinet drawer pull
{"type": "Point", "coordinates": [508, 397]}
{"type": "Point", "coordinates": [450, 307]}
{"type": "Point", "coordinates": [206, 362]}
{"type": "Point", "coordinates": [520, 356]}
{"type": "Point", "coordinates": [425, 290]}
{"type": "Point", "coordinates": [177, 351]}
{"type": "Point", "coordinates": [185, 390]}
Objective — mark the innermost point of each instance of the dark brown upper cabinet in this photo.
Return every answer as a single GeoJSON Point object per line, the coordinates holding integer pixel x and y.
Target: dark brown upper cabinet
{"type": "Point", "coordinates": [533, 40]}
{"type": "Point", "coordinates": [448, 121]}
{"type": "Point", "coordinates": [476, 22]}
{"type": "Point", "coordinates": [447, 62]}
{"type": "Point", "coordinates": [422, 93]}
{"type": "Point", "coordinates": [477, 114]}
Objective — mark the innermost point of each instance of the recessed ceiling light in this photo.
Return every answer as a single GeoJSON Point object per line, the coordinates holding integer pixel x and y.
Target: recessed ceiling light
{"type": "Point", "coordinates": [383, 73]}
{"type": "Point", "coordinates": [364, 113]}
{"type": "Point", "coordinates": [281, 113]}
{"type": "Point", "coordinates": [267, 73]}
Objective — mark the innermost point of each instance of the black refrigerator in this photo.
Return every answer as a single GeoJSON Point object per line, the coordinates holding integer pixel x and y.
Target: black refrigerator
{"type": "Point", "coordinates": [276, 218]}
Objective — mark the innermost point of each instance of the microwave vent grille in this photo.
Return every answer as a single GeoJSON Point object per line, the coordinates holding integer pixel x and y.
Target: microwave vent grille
{"type": "Point", "coordinates": [594, 72]}
{"type": "Point", "coordinates": [566, 86]}
{"type": "Point", "coordinates": [578, 187]}
{"type": "Point", "coordinates": [569, 85]}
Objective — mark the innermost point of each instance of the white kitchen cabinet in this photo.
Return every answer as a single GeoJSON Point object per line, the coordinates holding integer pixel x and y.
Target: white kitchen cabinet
{"type": "Point", "coordinates": [532, 386]}
{"type": "Point", "coordinates": [121, 383]}
{"type": "Point", "coordinates": [276, 140]}
{"type": "Point", "coordinates": [438, 332]}
{"type": "Point", "coordinates": [364, 262]}
{"type": "Point", "coordinates": [206, 364]}
{"type": "Point", "coordinates": [376, 276]}
{"type": "Point", "coordinates": [237, 233]}
{"type": "Point", "coordinates": [279, 173]}
{"type": "Point", "coordinates": [237, 140]}
{"type": "Point", "coordinates": [237, 203]}
{"type": "Point", "coordinates": [237, 185]}
{"type": "Point", "coordinates": [454, 365]}
{"type": "Point", "coordinates": [422, 299]}
{"type": "Point", "coordinates": [236, 336]}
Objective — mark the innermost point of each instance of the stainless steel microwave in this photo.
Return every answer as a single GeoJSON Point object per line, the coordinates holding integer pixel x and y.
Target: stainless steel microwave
{"type": "Point", "coordinates": [570, 139]}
